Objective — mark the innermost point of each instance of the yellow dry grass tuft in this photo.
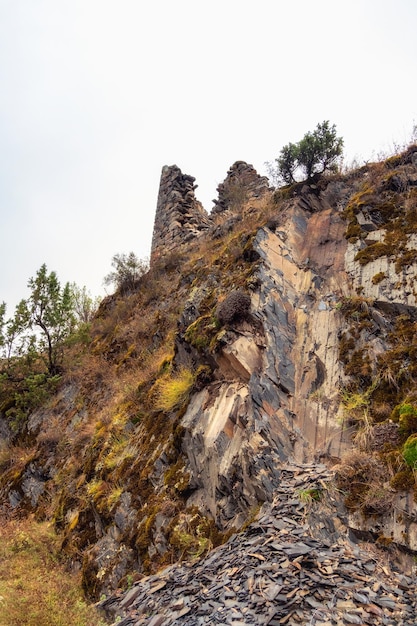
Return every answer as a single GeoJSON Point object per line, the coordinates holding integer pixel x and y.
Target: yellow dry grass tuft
{"type": "Point", "coordinates": [174, 391]}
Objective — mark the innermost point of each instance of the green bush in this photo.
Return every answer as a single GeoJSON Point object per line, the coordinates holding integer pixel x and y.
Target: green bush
{"type": "Point", "coordinates": [406, 416]}
{"type": "Point", "coordinates": [34, 391]}
{"type": "Point", "coordinates": [410, 451]}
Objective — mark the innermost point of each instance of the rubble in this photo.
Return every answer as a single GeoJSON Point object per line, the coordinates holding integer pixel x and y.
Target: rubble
{"type": "Point", "coordinates": [291, 566]}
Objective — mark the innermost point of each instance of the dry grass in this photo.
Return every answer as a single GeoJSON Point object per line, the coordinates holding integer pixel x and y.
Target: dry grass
{"type": "Point", "coordinates": [35, 588]}
{"type": "Point", "coordinates": [362, 478]}
{"type": "Point", "coordinates": [174, 391]}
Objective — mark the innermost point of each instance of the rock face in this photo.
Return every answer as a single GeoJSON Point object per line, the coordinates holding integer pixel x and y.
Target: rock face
{"type": "Point", "coordinates": [277, 396]}
{"type": "Point", "coordinates": [179, 215]}
{"type": "Point", "coordinates": [301, 282]}
{"type": "Point", "coordinates": [240, 185]}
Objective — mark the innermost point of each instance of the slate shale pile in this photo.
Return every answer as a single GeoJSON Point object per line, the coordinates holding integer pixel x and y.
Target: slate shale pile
{"type": "Point", "coordinates": [292, 566]}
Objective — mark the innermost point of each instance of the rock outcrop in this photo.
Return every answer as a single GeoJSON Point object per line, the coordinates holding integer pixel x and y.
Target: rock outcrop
{"type": "Point", "coordinates": [322, 349]}
{"type": "Point", "coordinates": [278, 394]}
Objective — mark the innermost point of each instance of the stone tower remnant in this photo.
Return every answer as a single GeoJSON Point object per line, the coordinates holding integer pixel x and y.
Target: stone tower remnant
{"type": "Point", "coordinates": [241, 184]}
{"type": "Point", "coordinates": [179, 215]}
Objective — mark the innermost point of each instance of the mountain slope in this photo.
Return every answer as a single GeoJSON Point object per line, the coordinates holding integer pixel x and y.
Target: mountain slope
{"type": "Point", "coordinates": [279, 328]}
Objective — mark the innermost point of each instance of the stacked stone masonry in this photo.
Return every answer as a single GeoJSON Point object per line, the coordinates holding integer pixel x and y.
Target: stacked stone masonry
{"type": "Point", "coordinates": [241, 184]}
{"type": "Point", "coordinates": [180, 217]}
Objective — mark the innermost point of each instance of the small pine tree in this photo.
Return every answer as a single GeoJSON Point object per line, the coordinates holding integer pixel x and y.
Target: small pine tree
{"type": "Point", "coordinates": [316, 153]}
{"type": "Point", "coordinates": [49, 308]}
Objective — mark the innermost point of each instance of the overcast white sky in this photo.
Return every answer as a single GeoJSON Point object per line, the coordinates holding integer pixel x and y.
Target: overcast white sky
{"type": "Point", "coordinates": [97, 95]}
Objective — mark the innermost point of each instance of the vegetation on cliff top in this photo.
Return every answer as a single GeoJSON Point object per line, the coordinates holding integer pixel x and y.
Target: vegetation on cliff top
{"type": "Point", "coordinates": [316, 153]}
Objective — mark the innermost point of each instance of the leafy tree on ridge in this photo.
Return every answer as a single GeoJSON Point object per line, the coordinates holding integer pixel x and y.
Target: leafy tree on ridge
{"type": "Point", "coordinates": [317, 152]}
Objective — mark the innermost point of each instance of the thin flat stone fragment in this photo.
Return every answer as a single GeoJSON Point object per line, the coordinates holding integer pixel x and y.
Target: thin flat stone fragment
{"type": "Point", "coordinates": [181, 613]}
{"type": "Point", "coordinates": [156, 620]}
{"type": "Point", "coordinates": [157, 587]}
{"type": "Point", "coordinates": [273, 591]}
{"type": "Point", "coordinates": [351, 618]}
{"type": "Point", "coordinates": [257, 556]}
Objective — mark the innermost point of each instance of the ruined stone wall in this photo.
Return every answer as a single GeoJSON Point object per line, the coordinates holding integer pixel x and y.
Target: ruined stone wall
{"type": "Point", "coordinates": [240, 185]}
{"type": "Point", "coordinates": [179, 215]}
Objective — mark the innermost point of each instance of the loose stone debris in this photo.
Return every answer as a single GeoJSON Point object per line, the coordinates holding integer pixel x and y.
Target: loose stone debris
{"type": "Point", "coordinates": [291, 566]}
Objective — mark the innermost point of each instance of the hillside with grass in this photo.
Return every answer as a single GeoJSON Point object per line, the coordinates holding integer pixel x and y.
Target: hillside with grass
{"type": "Point", "coordinates": [280, 328]}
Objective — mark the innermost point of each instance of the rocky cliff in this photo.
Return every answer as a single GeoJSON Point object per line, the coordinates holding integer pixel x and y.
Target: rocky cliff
{"type": "Point", "coordinates": [279, 329]}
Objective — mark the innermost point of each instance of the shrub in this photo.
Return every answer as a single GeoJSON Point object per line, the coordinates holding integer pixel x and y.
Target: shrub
{"type": "Point", "coordinates": [406, 416]}
{"type": "Point", "coordinates": [33, 392]}
{"type": "Point", "coordinates": [235, 307]}
{"type": "Point", "coordinates": [403, 480]}
{"type": "Point", "coordinates": [361, 477]}
{"type": "Point", "coordinates": [410, 451]}
{"type": "Point", "coordinates": [128, 269]}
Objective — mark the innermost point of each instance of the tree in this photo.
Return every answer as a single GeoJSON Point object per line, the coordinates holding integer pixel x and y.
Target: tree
{"type": "Point", "coordinates": [84, 304]}
{"type": "Point", "coordinates": [287, 163]}
{"type": "Point", "coordinates": [49, 308]}
{"type": "Point", "coordinates": [317, 152]}
{"type": "Point", "coordinates": [128, 269]}
{"type": "Point", "coordinates": [16, 339]}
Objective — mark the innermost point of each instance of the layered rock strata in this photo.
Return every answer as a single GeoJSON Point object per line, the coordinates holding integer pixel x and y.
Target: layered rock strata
{"type": "Point", "coordinates": [277, 393]}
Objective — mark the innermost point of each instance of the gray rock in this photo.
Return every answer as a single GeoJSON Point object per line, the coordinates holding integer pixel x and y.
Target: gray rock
{"type": "Point", "coordinates": [273, 574]}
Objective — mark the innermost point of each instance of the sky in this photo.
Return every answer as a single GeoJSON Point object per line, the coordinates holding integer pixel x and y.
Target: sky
{"type": "Point", "coordinates": [96, 96]}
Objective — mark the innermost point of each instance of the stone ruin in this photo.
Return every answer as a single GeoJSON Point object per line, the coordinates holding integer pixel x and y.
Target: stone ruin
{"type": "Point", "coordinates": [180, 217]}
{"type": "Point", "coordinates": [241, 184]}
